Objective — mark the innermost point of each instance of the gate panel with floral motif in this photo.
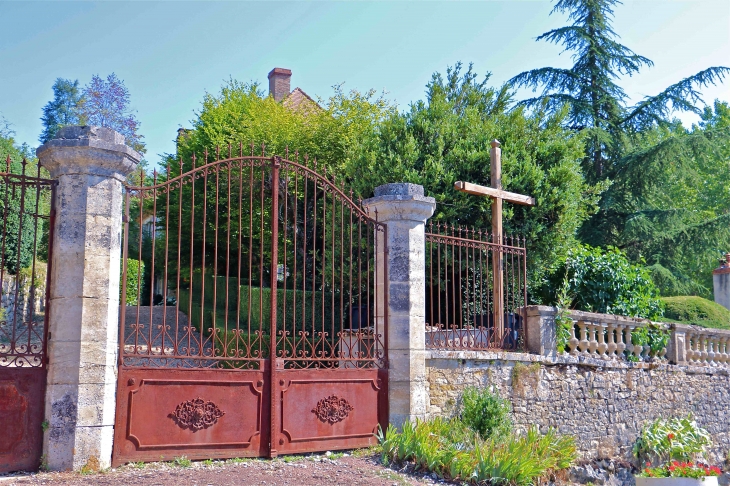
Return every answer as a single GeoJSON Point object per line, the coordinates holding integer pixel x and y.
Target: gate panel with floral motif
{"type": "Point", "coordinates": [251, 327]}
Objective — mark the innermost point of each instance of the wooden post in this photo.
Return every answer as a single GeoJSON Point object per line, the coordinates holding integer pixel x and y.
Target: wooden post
{"type": "Point", "coordinates": [495, 158]}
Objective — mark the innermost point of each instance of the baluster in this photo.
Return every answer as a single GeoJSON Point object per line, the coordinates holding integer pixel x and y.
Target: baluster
{"type": "Point", "coordinates": [636, 350]}
{"type": "Point", "coordinates": [611, 341]}
{"type": "Point", "coordinates": [583, 344]}
{"type": "Point", "coordinates": [711, 351]}
{"type": "Point", "coordinates": [592, 341]}
{"type": "Point", "coordinates": [723, 350]}
{"type": "Point", "coordinates": [690, 353]}
{"type": "Point", "coordinates": [703, 350]}
{"type": "Point", "coordinates": [573, 341]}
{"type": "Point", "coordinates": [621, 346]}
{"type": "Point", "coordinates": [627, 339]}
{"type": "Point", "coordinates": [602, 346]}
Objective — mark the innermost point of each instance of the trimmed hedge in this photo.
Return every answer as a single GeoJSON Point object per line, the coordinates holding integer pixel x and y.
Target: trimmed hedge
{"type": "Point", "coordinates": [690, 309]}
{"type": "Point", "coordinates": [260, 308]}
{"type": "Point", "coordinates": [135, 276]}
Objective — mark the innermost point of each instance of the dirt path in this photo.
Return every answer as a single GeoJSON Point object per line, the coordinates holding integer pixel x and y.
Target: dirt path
{"type": "Point", "coordinates": [359, 469]}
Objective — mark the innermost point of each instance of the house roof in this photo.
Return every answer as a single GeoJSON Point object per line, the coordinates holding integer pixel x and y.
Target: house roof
{"type": "Point", "coordinates": [300, 101]}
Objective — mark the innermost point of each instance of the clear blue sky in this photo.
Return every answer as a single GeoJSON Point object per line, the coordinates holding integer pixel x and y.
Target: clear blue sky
{"type": "Point", "coordinates": [170, 53]}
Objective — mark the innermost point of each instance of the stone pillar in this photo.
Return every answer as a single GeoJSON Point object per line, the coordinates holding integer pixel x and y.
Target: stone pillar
{"type": "Point", "coordinates": [404, 209]}
{"type": "Point", "coordinates": [677, 345]}
{"type": "Point", "coordinates": [90, 165]}
{"type": "Point", "coordinates": [541, 332]}
{"type": "Point", "coordinates": [721, 282]}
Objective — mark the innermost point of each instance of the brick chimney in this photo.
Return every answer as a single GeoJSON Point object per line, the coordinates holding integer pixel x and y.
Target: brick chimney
{"type": "Point", "coordinates": [279, 83]}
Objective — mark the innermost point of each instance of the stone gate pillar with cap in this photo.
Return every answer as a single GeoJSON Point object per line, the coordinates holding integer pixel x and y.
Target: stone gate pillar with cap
{"type": "Point", "coordinates": [404, 209]}
{"type": "Point", "coordinates": [90, 165]}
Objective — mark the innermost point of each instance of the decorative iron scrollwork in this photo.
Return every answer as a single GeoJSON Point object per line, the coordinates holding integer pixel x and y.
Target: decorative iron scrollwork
{"type": "Point", "coordinates": [196, 414]}
{"type": "Point", "coordinates": [332, 409]}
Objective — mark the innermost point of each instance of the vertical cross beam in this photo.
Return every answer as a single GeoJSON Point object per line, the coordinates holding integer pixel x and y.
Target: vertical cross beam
{"type": "Point", "coordinates": [495, 159]}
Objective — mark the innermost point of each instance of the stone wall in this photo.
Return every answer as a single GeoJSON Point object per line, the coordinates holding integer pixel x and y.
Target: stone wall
{"type": "Point", "coordinates": [603, 404]}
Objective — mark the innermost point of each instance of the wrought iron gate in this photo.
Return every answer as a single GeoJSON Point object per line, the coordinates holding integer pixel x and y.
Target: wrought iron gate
{"type": "Point", "coordinates": [26, 212]}
{"type": "Point", "coordinates": [251, 327]}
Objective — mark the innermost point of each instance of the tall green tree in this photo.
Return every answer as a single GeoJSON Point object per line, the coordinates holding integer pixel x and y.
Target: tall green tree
{"type": "Point", "coordinates": [64, 109]}
{"type": "Point", "coordinates": [669, 202]}
{"type": "Point", "coordinates": [598, 104]}
{"type": "Point", "coordinates": [445, 138]}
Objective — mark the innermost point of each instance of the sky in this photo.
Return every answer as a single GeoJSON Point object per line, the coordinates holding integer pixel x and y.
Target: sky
{"type": "Point", "coordinates": [170, 54]}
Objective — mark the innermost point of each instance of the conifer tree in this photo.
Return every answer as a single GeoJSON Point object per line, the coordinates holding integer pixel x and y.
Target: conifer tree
{"type": "Point", "coordinates": [590, 87]}
{"type": "Point", "coordinates": [63, 110]}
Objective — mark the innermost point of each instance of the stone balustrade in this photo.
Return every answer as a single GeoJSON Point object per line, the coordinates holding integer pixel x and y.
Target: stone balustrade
{"type": "Point", "coordinates": [608, 337]}
{"type": "Point", "coordinates": [604, 336]}
{"type": "Point", "coordinates": [705, 347]}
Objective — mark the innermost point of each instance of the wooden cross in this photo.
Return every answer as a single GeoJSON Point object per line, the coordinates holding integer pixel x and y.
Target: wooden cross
{"type": "Point", "coordinates": [498, 195]}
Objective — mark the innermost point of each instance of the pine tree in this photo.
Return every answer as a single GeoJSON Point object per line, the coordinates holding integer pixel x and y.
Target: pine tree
{"type": "Point", "coordinates": [590, 87]}
{"type": "Point", "coordinates": [63, 110]}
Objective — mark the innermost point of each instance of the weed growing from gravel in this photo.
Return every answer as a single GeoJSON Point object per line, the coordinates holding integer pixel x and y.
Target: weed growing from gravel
{"type": "Point", "coordinates": [138, 465]}
{"type": "Point", "coordinates": [236, 460]}
{"type": "Point", "coordinates": [182, 461]}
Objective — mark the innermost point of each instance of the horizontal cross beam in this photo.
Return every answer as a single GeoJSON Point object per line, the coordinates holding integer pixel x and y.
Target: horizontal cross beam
{"type": "Point", "coordinates": [478, 190]}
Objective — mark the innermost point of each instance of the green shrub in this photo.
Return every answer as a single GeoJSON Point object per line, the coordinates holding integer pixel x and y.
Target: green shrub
{"type": "Point", "coordinates": [653, 335]}
{"type": "Point", "coordinates": [563, 323]}
{"type": "Point", "coordinates": [317, 308]}
{"type": "Point", "coordinates": [696, 310]}
{"type": "Point", "coordinates": [135, 277]}
{"type": "Point", "coordinates": [671, 439]}
{"type": "Point", "coordinates": [485, 412]}
{"type": "Point", "coordinates": [605, 282]}
{"type": "Point", "coordinates": [452, 450]}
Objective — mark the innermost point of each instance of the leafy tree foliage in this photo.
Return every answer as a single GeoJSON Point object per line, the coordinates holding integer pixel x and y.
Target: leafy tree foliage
{"type": "Point", "coordinates": [446, 138]}
{"type": "Point", "coordinates": [241, 115]}
{"type": "Point", "coordinates": [597, 103]}
{"type": "Point", "coordinates": [102, 102]}
{"type": "Point", "coordinates": [106, 104]}
{"type": "Point", "coordinates": [64, 109]}
{"type": "Point", "coordinates": [605, 282]}
{"type": "Point", "coordinates": [669, 202]}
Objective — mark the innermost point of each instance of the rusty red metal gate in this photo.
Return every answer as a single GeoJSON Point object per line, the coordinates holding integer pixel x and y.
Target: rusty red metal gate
{"type": "Point", "coordinates": [25, 242]}
{"type": "Point", "coordinates": [253, 328]}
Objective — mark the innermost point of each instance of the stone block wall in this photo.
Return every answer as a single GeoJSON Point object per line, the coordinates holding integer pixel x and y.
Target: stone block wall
{"type": "Point", "coordinates": [603, 404]}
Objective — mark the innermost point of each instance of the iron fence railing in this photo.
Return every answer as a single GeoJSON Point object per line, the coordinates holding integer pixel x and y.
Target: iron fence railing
{"type": "Point", "coordinates": [464, 293]}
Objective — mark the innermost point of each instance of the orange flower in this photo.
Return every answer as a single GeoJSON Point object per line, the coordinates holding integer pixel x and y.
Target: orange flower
{"type": "Point", "coordinates": [670, 436]}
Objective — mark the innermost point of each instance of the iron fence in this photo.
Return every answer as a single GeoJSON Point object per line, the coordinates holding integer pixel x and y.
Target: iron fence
{"type": "Point", "coordinates": [26, 215]}
{"type": "Point", "coordinates": [463, 283]}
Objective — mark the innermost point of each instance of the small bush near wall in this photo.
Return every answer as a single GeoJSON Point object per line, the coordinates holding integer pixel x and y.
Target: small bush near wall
{"type": "Point", "coordinates": [135, 277]}
{"type": "Point", "coordinates": [486, 413]}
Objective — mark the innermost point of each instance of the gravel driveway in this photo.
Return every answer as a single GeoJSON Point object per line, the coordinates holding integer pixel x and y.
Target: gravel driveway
{"type": "Point", "coordinates": [361, 468]}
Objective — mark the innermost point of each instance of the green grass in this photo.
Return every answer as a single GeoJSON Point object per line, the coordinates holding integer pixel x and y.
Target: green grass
{"type": "Point", "coordinates": [697, 311]}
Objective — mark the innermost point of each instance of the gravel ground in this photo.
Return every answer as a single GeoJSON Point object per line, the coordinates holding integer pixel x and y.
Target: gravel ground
{"type": "Point", "coordinates": [359, 468]}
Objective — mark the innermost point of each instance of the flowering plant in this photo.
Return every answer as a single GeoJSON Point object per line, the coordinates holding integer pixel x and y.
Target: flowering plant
{"type": "Point", "coordinates": [676, 469]}
{"type": "Point", "coordinates": [678, 439]}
